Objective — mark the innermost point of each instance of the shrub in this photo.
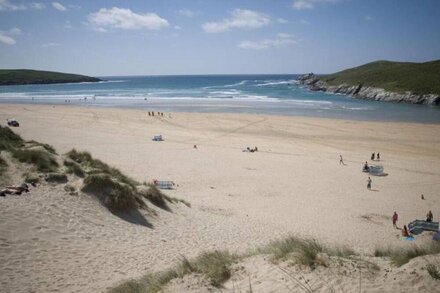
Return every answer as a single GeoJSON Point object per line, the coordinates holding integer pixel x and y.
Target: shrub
{"type": "Point", "coordinates": [156, 197]}
{"type": "Point", "coordinates": [400, 256]}
{"type": "Point", "coordinates": [31, 178]}
{"type": "Point", "coordinates": [47, 147]}
{"type": "Point", "coordinates": [56, 177]}
{"type": "Point", "coordinates": [8, 139]}
{"type": "Point", "coordinates": [44, 161]}
{"type": "Point", "coordinates": [216, 266]}
{"type": "Point", "coordinates": [3, 165]}
{"type": "Point", "coordinates": [115, 195]}
{"type": "Point", "coordinates": [433, 271]}
{"type": "Point", "coordinates": [88, 163]}
{"type": "Point", "coordinates": [74, 168]}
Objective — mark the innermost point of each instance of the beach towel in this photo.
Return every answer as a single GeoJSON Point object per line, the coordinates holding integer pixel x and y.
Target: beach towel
{"type": "Point", "coordinates": [418, 226]}
{"type": "Point", "coordinates": [436, 236]}
{"type": "Point", "coordinates": [376, 170]}
{"type": "Point", "coordinates": [165, 184]}
{"type": "Point", "coordinates": [409, 238]}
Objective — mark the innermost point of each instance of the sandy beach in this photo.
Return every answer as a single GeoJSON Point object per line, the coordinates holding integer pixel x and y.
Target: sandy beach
{"type": "Point", "coordinates": [293, 185]}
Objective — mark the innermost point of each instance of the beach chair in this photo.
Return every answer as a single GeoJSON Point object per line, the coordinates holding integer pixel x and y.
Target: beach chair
{"type": "Point", "coordinates": [157, 138]}
{"type": "Point", "coordinates": [418, 226]}
{"type": "Point", "coordinates": [165, 184]}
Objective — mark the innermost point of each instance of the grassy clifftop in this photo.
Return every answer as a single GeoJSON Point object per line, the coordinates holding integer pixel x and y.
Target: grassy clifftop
{"type": "Point", "coordinates": [25, 76]}
{"type": "Point", "coordinates": [399, 77]}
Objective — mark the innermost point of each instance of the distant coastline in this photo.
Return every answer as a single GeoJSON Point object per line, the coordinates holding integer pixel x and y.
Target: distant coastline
{"type": "Point", "coordinates": [25, 76]}
{"type": "Point", "coordinates": [398, 82]}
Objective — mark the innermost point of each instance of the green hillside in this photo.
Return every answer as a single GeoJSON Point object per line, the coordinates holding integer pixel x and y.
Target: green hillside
{"type": "Point", "coordinates": [24, 76]}
{"type": "Point", "coordinates": [419, 78]}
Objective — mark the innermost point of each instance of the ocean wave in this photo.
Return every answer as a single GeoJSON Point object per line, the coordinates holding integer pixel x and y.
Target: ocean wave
{"type": "Point", "coordinates": [274, 82]}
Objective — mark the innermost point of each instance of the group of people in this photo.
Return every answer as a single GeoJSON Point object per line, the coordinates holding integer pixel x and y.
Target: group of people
{"type": "Point", "coordinates": [152, 113]}
{"type": "Point", "coordinates": [248, 149]}
{"type": "Point", "coordinates": [405, 231]}
{"type": "Point", "coordinates": [375, 156]}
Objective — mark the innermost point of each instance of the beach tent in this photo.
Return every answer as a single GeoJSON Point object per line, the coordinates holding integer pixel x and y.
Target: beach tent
{"type": "Point", "coordinates": [376, 170]}
{"type": "Point", "coordinates": [418, 226]}
{"type": "Point", "coordinates": [436, 236]}
{"type": "Point", "coordinates": [164, 184]}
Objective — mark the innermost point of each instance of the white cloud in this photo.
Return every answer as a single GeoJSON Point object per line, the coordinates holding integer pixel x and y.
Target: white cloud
{"type": "Point", "coordinates": [310, 4]}
{"type": "Point", "coordinates": [6, 39]}
{"type": "Point", "coordinates": [37, 6]}
{"type": "Point", "coordinates": [15, 31]}
{"type": "Point", "coordinates": [304, 22]}
{"type": "Point", "coordinates": [280, 40]}
{"type": "Point", "coordinates": [368, 18]}
{"type": "Point", "coordinates": [282, 20]}
{"type": "Point", "coordinates": [187, 12]}
{"type": "Point", "coordinates": [6, 5]}
{"type": "Point", "coordinates": [177, 27]}
{"type": "Point", "coordinates": [58, 6]}
{"type": "Point", "coordinates": [240, 18]}
{"type": "Point", "coordinates": [50, 45]}
{"type": "Point", "coordinates": [122, 18]}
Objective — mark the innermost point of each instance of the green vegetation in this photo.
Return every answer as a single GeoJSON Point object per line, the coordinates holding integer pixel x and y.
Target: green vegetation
{"type": "Point", "coordinates": [40, 155]}
{"type": "Point", "coordinates": [399, 256]}
{"type": "Point", "coordinates": [115, 195]}
{"type": "Point", "coordinates": [74, 168]}
{"type": "Point", "coordinates": [24, 76]}
{"type": "Point", "coordinates": [31, 178]}
{"type": "Point", "coordinates": [419, 78]}
{"type": "Point", "coordinates": [433, 271]}
{"type": "Point", "coordinates": [304, 252]}
{"type": "Point", "coordinates": [159, 199]}
{"type": "Point", "coordinates": [216, 266]}
{"type": "Point", "coordinates": [43, 160]}
{"type": "Point", "coordinates": [89, 165]}
{"type": "Point", "coordinates": [56, 177]}
{"type": "Point", "coordinates": [9, 140]}
{"type": "Point", "coordinates": [3, 166]}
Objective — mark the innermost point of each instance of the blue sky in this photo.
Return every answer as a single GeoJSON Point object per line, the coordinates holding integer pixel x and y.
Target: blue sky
{"type": "Point", "coordinates": [116, 37]}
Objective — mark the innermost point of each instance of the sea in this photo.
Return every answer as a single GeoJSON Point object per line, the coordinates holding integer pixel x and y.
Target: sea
{"type": "Point", "coordinates": [259, 94]}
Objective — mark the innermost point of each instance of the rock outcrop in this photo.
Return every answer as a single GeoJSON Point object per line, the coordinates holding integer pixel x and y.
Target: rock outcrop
{"type": "Point", "coordinates": [359, 91]}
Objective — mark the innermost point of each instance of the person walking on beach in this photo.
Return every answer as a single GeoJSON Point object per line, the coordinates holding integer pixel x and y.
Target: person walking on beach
{"type": "Point", "coordinates": [372, 156]}
{"type": "Point", "coordinates": [395, 218]}
{"type": "Point", "coordinates": [369, 183]}
{"type": "Point", "coordinates": [341, 160]}
{"type": "Point", "coordinates": [378, 156]}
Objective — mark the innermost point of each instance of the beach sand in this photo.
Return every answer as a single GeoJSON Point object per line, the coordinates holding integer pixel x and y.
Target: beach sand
{"type": "Point", "coordinates": [294, 185]}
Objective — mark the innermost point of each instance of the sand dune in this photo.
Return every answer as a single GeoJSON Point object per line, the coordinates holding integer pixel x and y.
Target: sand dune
{"type": "Point", "coordinates": [293, 185]}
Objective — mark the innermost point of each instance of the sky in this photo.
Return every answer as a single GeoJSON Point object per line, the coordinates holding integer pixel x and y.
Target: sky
{"type": "Point", "coordinates": [167, 37]}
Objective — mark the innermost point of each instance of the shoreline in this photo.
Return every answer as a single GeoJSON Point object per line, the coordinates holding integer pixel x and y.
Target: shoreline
{"type": "Point", "coordinates": [249, 108]}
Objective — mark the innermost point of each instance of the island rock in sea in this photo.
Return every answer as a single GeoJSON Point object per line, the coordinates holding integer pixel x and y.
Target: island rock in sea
{"type": "Point", "coordinates": [359, 91]}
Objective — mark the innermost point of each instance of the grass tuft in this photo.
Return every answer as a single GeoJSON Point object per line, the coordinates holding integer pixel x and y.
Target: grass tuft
{"type": "Point", "coordinates": [47, 147]}
{"type": "Point", "coordinates": [91, 165]}
{"type": "Point", "coordinates": [8, 139]}
{"type": "Point", "coordinates": [74, 168]}
{"type": "Point", "coordinates": [3, 165]}
{"type": "Point", "coordinates": [43, 160]}
{"type": "Point", "coordinates": [56, 177]}
{"type": "Point", "coordinates": [433, 271]}
{"type": "Point", "coordinates": [399, 256]}
{"type": "Point", "coordinates": [115, 195]}
{"type": "Point", "coordinates": [32, 178]}
{"type": "Point", "coordinates": [216, 266]}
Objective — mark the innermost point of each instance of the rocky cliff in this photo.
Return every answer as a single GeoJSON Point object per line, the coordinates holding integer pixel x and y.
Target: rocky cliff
{"type": "Point", "coordinates": [313, 82]}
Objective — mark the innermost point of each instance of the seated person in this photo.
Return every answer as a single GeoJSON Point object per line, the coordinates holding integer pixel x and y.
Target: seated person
{"type": "Point", "coordinates": [405, 232]}
{"type": "Point", "coordinates": [366, 168]}
{"type": "Point", "coordinates": [429, 217]}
